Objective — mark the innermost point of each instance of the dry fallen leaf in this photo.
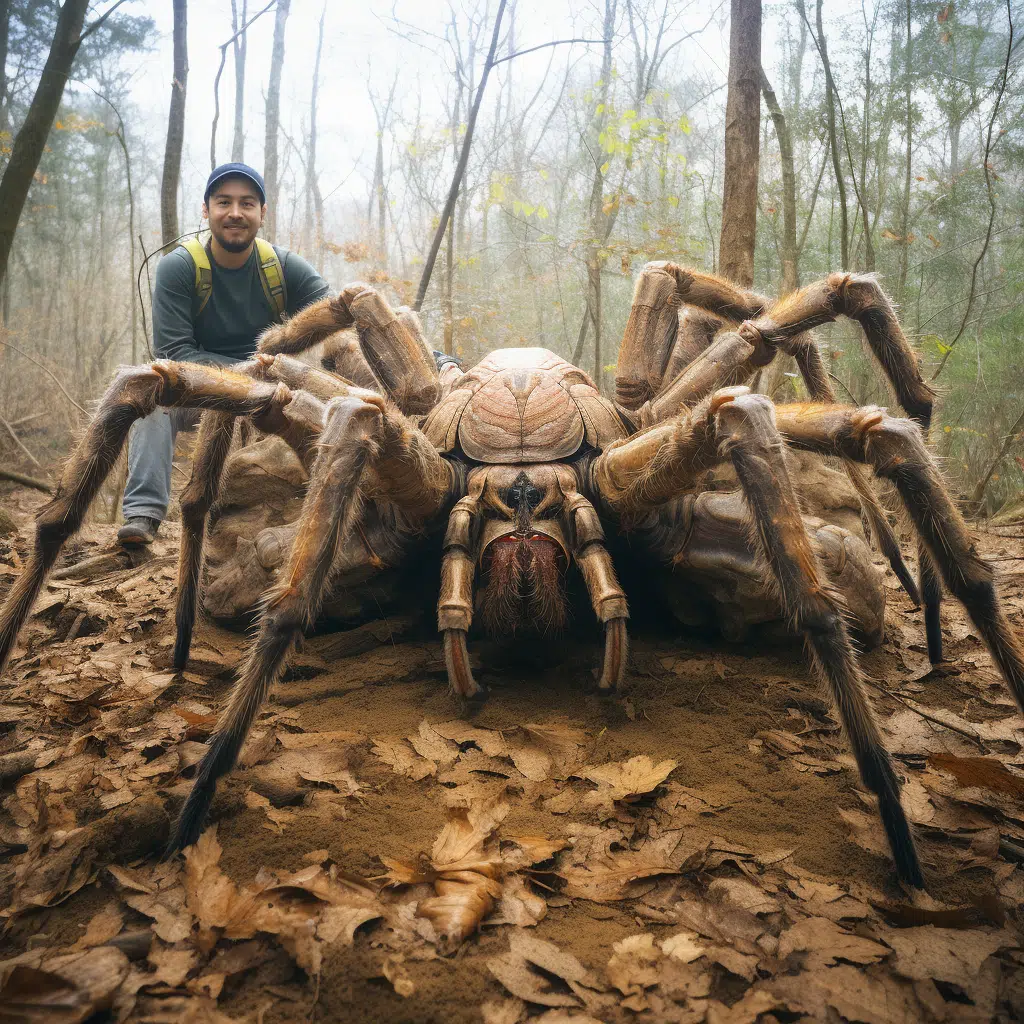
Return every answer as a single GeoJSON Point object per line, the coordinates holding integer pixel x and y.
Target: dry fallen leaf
{"type": "Point", "coordinates": [633, 964]}
{"type": "Point", "coordinates": [540, 972]}
{"type": "Point", "coordinates": [825, 943]}
{"type": "Point", "coordinates": [629, 779]}
{"type": "Point", "coordinates": [465, 869]}
{"type": "Point", "coordinates": [67, 989]}
{"type": "Point", "coordinates": [401, 758]}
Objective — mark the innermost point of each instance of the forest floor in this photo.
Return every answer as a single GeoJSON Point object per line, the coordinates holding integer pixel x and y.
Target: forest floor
{"type": "Point", "coordinates": [696, 849]}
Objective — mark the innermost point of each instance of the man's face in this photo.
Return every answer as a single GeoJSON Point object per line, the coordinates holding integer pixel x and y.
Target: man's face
{"type": "Point", "coordinates": [235, 213]}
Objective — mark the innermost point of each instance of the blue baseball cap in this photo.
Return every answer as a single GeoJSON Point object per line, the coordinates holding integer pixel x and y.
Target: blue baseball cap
{"type": "Point", "coordinates": [235, 170]}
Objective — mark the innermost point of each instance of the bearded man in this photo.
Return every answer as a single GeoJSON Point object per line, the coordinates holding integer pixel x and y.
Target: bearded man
{"type": "Point", "coordinates": [210, 304]}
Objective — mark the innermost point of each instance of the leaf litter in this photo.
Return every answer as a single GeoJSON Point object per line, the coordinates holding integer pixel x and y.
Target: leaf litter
{"type": "Point", "coordinates": [699, 852]}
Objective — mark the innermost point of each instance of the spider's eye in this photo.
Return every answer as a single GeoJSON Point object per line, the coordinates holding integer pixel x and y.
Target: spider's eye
{"type": "Point", "coordinates": [523, 495]}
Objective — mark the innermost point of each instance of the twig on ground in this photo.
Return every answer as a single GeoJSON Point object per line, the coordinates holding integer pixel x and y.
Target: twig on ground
{"type": "Point", "coordinates": [25, 481]}
{"type": "Point", "coordinates": [973, 737]}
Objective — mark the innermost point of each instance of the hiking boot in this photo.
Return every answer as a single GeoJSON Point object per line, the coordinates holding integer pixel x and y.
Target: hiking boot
{"type": "Point", "coordinates": [137, 531]}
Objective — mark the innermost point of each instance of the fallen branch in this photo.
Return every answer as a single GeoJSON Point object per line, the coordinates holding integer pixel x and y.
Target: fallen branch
{"type": "Point", "coordinates": [973, 737]}
{"type": "Point", "coordinates": [25, 481]}
{"type": "Point", "coordinates": [17, 440]}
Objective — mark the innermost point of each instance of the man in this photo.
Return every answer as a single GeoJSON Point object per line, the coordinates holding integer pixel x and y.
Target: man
{"type": "Point", "coordinates": [209, 306]}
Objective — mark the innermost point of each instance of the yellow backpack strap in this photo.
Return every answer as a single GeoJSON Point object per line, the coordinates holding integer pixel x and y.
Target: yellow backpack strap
{"type": "Point", "coordinates": [204, 276]}
{"type": "Point", "coordinates": [272, 278]}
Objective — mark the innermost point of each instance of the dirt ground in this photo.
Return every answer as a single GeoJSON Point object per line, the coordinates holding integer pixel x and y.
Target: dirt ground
{"type": "Point", "coordinates": [696, 848]}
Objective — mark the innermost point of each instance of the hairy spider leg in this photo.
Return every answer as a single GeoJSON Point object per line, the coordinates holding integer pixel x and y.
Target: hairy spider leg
{"type": "Point", "coordinates": [697, 329]}
{"type": "Point", "coordinates": [861, 298]}
{"type": "Point", "coordinates": [391, 343]}
{"type": "Point", "coordinates": [644, 472]}
{"type": "Point", "coordinates": [134, 393]}
{"type": "Point", "coordinates": [749, 436]}
{"type": "Point", "coordinates": [660, 289]}
{"type": "Point", "coordinates": [216, 433]}
{"type": "Point", "coordinates": [804, 350]}
{"type": "Point", "coordinates": [652, 333]}
{"type": "Point", "coordinates": [895, 448]}
{"type": "Point", "coordinates": [299, 424]}
{"type": "Point", "coordinates": [368, 450]}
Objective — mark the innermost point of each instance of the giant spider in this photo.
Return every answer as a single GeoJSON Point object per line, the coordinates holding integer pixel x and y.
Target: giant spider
{"type": "Point", "coordinates": [525, 462]}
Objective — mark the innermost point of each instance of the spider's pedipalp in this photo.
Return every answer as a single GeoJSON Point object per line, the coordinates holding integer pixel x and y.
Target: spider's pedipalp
{"type": "Point", "coordinates": [455, 600]}
{"type": "Point", "coordinates": [607, 597]}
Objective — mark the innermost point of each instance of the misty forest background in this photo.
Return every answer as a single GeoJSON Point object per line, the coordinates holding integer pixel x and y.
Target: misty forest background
{"type": "Point", "coordinates": [891, 141]}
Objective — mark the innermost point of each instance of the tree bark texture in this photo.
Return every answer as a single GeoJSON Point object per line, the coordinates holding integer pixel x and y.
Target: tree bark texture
{"type": "Point", "coordinates": [274, 117]}
{"type": "Point", "coordinates": [742, 144]}
{"type": "Point", "coordinates": [30, 141]}
{"type": "Point", "coordinates": [175, 127]}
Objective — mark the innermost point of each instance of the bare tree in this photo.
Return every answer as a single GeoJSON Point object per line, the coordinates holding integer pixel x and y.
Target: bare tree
{"type": "Point", "coordinates": [274, 117]}
{"type": "Point", "coordinates": [598, 228]}
{"type": "Point", "coordinates": [742, 144]}
{"type": "Point", "coordinates": [460, 167]}
{"type": "Point", "coordinates": [379, 197]}
{"type": "Point", "coordinates": [239, 32]}
{"type": "Point", "coordinates": [31, 138]}
{"type": "Point", "coordinates": [5, 31]}
{"type": "Point", "coordinates": [240, 44]}
{"type": "Point", "coordinates": [175, 127]}
{"type": "Point", "coordinates": [790, 252]}
{"type": "Point", "coordinates": [314, 200]}
{"type": "Point", "coordinates": [833, 142]}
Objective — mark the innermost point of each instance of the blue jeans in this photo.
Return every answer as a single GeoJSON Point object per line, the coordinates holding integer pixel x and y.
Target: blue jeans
{"type": "Point", "coordinates": [150, 457]}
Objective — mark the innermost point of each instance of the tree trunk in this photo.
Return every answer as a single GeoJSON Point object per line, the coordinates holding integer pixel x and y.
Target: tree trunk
{"type": "Point", "coordinates": [273, 118]}
{"type": "Point", "coordinates": [5, 31]}
{"type": "Point", "coordinates": [833, 142]}
{"type": "Point", "coordinates": [790, 252]}
{"type": "Point", "coordinates": [904, 243]}
{"type": "Point", "coordinates": [311, 179]}
{"type": "Point", "coordinates": [596, 228]}
{"type": "Point", "coordinates": [460, 169]}
{"type": "Point", "coordinates": [742, 144]}
{"type": "Point", "coordinates": [175, 127]}
{"type": "Point", "coordinates": [238, 139]}
{"type": "Point", "coordinates": [31, 139]}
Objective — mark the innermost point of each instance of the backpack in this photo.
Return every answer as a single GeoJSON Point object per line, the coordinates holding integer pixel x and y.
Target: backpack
{"type": "Point", "coordinates": [271, 275]}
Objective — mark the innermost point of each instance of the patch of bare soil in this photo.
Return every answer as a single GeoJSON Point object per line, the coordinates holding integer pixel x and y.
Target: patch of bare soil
{"type": "Point", "coordinates": [697, 848]}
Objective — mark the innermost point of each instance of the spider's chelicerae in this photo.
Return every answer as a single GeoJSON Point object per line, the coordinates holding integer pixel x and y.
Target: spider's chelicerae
{"type": "Point", "coordinates": [526, 465]}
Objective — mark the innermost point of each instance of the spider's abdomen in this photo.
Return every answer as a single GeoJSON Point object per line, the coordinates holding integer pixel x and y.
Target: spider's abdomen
{"type": "Point", "coordinates": [521, 405]}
